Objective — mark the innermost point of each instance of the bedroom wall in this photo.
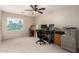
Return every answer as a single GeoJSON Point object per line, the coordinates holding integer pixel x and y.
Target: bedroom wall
{"type": "Point", "coordinates": [9, 35]}
{"type": "Point", "coordinates": [68, 16]}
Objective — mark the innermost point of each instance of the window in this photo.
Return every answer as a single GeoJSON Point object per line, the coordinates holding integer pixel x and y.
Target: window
{"type": "Point", "coordinates": [14, 24]}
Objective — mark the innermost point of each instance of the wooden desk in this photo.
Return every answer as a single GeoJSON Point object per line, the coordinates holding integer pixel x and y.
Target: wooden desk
{"type": "Point", "coordinates": [57, 39]}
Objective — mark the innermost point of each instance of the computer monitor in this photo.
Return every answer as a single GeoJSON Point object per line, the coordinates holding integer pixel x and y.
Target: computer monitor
{"type": "Point", "coordinates": [44, 26]}
{"type": "Point", "coordinates": [51, 25]}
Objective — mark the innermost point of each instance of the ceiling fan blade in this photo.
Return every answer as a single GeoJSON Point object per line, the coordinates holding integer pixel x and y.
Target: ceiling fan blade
{"type": "Point", "coordinates": [42, 9]}
{"type": "Point", "coordinates": [28, 10]}
{"type": "Point", "coordinates": [40, 12]}
{"type": "Point", "coordinates": [32, 7]}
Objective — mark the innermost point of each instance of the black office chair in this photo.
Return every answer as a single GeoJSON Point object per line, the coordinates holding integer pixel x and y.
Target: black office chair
{"type": "Point", "coordinates": [48, 35]}
{"type": "Point", "coordinates": [41, 36]}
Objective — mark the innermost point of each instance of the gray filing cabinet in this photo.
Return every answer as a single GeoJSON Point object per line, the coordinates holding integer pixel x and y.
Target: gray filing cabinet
{"type": "Point", "coordinates": [69, 39]}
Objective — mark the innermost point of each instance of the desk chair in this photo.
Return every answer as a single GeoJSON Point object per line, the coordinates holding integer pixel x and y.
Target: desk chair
{"type": "Point", "coordinates": [48, 35]}
{"type": "Point", "coordinates": [44, 35]}
{"type": "Point", "coordinates": [41, 37]}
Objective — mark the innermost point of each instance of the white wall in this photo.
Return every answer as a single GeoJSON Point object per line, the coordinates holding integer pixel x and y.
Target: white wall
{"type": "Point", "coordinates": [9, 35]}
{"type": "Point", "coordinates": [68, 16]}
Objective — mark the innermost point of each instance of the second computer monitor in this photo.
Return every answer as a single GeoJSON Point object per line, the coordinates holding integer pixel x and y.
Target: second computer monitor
{"type": "Point", "coordinates": [44, 26]}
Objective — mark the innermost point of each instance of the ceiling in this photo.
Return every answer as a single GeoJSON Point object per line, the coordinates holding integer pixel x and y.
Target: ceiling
{"type": "Point", "coordinates": [19, 9]}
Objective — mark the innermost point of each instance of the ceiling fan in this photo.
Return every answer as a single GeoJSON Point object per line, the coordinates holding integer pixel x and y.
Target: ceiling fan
{"type": "Point", "coordinates": [35, 9]}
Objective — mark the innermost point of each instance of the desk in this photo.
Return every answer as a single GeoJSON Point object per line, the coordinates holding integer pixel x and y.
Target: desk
{"type": "Point", "coordinates": [57, 37]}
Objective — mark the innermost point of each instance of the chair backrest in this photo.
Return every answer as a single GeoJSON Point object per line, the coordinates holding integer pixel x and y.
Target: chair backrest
{"type": "Point", "coordinates": [39, 33]}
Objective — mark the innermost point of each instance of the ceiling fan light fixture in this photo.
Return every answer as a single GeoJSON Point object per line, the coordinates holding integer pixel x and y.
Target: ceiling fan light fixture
{"type": "Point", "coordinates": [37, 12]}
{"type": "Point", "coordinates": [34, 12]}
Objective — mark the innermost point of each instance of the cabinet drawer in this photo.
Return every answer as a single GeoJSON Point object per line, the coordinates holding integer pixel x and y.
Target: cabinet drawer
{"type": "Point", "coordinates": [70, 39]}
{"type": "Point", "coordinates": [73, 45]}
{"type": "Point", "coordinates": [71, 49]}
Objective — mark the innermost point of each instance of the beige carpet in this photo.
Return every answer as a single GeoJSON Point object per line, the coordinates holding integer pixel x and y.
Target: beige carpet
{"type": "Point", "coordinates": [28, 45]}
